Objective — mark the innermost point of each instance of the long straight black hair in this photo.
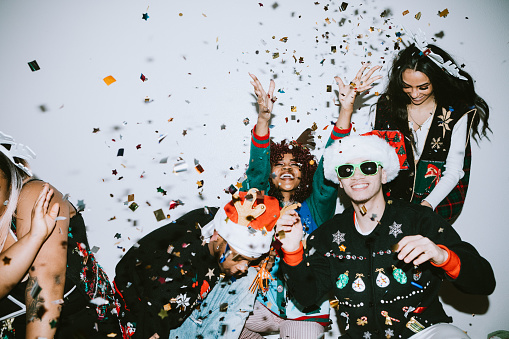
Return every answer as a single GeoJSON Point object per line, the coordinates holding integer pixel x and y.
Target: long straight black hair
{"type": "Point", "coordinates": [447, 89]}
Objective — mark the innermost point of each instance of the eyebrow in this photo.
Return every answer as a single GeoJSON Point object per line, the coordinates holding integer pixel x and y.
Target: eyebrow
{"type": "Point", "coordinates": [424, 84]}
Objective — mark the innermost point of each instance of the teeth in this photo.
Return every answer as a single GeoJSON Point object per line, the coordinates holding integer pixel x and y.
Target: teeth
{"type": "Point", "coordinates": [286, 176]}
{"type": "Point", "coordinates": [360, 186]}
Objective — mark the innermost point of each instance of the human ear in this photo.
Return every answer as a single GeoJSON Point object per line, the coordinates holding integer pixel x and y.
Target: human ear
{"type": "Point", "coordinates": [340, 183]}
{"type": "Point", "coordinates": [384, 176]}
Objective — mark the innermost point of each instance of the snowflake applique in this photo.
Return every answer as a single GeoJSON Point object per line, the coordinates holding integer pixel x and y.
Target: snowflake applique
{"type": "Point", "coordinates": [338, 237]}
{"type": "Point", "coordinates": [445, 119]}
{"type": "Point", "coordinates": [367, 335]}
{"type": "Point", "coordinates": [389, 333]}
{"type": "Point", "coordinates": [436, 143]}
{"type": "Point", "coordinates": [395, 229]}
{"type": "Point", "coordinates": [182, 301]}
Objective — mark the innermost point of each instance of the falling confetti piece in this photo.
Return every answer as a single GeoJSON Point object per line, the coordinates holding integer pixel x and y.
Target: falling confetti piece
{"type": "Point", "coordinates": [246, 121]}
{"type": "Point", "coordinates": [199, 183]}
{"type": "Point", "coordinates": [109, 80]}
{"type": "Point", "coordinates": [130, 197]}
{"type": "Point", "coordinates": [275, 55]}
{"type": "Point", "coordinates": [145, 16]}
{"type": "Point", "coordinates": [293, 108]}
{"type": "Point", "coordinates": [180, 167]}
{"type": "Point", "coordinates": [159, 214]}
{"type": "Point", "coordinates": [96, 130]}
{"type": "Point", "coordinates": [405, 12]}
{"type": "Point", "coordinates": [34, 66]}
{"type": "Point", "coordinates": [53, 323]}
{"type": "Point", "coordinates": [418, 16]}
{"type": "Point", "coordinates": [329, 88]}
{"type": "Point", "coordinates": [134, 206]}
{"type": "Point", "coordinates": [143, 77]}
{"type": "Point", "coordinates": [343, 6]}
{"type": "Point", "coordinates": [120, 152]}
{"type": "Point", "coordinates": [443, 14]}
{"type": "Point", "coordinates": [199, 168]}
{"type": "Point", "coordinates": [175, 203]}
{"type": "Point", "coordinates": [6, 260]}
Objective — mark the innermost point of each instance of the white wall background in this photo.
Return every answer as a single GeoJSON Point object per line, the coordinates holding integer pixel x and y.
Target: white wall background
{"type": "Point", "coordinates": [197, 55]}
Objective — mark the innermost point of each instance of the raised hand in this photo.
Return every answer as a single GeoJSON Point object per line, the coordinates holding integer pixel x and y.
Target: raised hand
{"type": "Point", "coordinates": [246, 212]}
{"type": "Point", "coordinates": [418, 249]}
{"type": "Point", "coordinates": [266, 100]}
{"type": "Point", "coordinates": [362, 82]}
{"type": "Point", "coordinates": [43, 221]}
{"type": "Point", "coordinates": [289, 231]}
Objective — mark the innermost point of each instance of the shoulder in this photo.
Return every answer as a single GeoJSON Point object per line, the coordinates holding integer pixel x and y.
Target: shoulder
{"type": "Point", "coordinates": [29, 194]}
{"type": "Point", "coordinates": [421, 217]}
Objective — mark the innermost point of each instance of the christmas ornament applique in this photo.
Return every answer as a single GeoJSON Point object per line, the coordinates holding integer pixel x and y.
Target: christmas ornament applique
{"type": "Point", "coordinates": [395, 229]}
{"type": "Point", "coordinates": [399, 275]}
{"type": "Point", "coordinates": [382, 280]}
{"type": "Point", "coordinates": [342, 280]}
{"type": "Point", "coordinates": [338, 237]}
{"type": "Point", "coordinates": [388, 319]}
{"type": "Point", "coordinates": [358, 285]}
{"type": "Point", "coordinates": [417, 273]}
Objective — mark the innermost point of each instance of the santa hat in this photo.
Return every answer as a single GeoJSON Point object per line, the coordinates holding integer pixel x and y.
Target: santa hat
{"type": "Point", "coordinates": [246, 223]}
{"type": "Point", "coordinates": [364, 147]}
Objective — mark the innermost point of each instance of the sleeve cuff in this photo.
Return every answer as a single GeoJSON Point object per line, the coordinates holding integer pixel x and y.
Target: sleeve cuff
{"type": "Point", "coordinates": [452, 265]}
{"type": "Point", "coordinates": [338, 133]}
{"type": "Point", "coordinates": [260, 141]}
{"type": "Point", "coordinates": [294, 258]}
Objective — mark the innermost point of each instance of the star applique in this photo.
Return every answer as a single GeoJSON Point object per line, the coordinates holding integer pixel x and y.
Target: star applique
{"type": "Point", "coordinates": [389, 333]}
{"type": "Point", "coordinates": [342, 248]}
{"type": "Point", "coordinates": [182, 301]}
{"type": "Point", "coordinates": [367, 335]}
{"type": "Point", "coordinates": [440, 230]}
{"type": "Point", "coordinates": [163, 314]}
{"type": "Point", "coordinates": [210, 274]}
{"type": "Point", "coordinates": [338, 237]}
{"type": "Point", "coordinates": [395, 229]}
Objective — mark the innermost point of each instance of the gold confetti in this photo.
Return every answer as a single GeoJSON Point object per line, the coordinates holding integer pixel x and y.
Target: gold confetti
{"type": "Point", "coordinates": [443, 14]}
{"type": "Point", "coordinates": [405, 12]}
{"type": "Point", "coordinates": [293, 108]}
{"type": "Point", "coordinates": [418, 16]}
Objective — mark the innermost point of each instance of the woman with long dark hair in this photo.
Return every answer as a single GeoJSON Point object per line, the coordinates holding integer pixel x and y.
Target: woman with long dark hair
{"type": "Point", "coordinates": [433, 103]}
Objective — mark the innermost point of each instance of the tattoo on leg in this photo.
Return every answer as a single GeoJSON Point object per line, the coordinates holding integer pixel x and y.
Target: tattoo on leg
{"type": "Point", "coordinates": [35, 303]}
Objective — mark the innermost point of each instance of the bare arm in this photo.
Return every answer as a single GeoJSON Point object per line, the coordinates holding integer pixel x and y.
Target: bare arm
{"type": "Point", "coordinates": [347, 93]}
{"type": "Point", "coordinates": [265, 104]}
{"type": "Point", "coordinates": [47, 275]}
{"type": "Point", "coordinates": [20, 255]}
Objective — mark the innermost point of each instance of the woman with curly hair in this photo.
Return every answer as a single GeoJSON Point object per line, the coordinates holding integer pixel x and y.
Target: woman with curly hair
{"type": "Point", "coordinates": [433, 104]}
{"type": "Point", "coordinates": [287, 170]}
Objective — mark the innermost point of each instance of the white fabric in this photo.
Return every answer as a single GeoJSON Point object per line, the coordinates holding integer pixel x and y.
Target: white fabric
{"type": "Point", "coordinates": [368, 147]}
{"type": "Point", "coordinates": [250, 244]}
{"type": "Point", "coordinates": [441, 331]}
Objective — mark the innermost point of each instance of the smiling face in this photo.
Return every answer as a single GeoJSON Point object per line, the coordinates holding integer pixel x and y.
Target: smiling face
{"type": "Point", "coordinates": [363, 188]}
{"type": "Point", "coordinates": [286, 173]}
{"type": "Point", "coordinates": [417, 86]}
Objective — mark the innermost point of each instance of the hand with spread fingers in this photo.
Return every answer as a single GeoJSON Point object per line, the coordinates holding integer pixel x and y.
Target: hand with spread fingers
{"type": "Point", "coordinates": [289, 231]}
{"type": "Point", "coordinates": [418, 249]}
{"type": "Point", "coordinates": [266, 102]}
{"type": "Point", "coordinates": [362, 82]}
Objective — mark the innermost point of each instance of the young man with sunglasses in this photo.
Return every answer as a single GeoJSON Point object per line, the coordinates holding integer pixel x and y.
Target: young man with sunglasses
{"type": "Point", "coordinates": [384, 260]}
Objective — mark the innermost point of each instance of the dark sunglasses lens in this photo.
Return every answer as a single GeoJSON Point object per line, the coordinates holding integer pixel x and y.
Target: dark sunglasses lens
{"type": "Point", "coordinates": [369, 168]}
{"type": "Point", "coordinates": [345, 171]}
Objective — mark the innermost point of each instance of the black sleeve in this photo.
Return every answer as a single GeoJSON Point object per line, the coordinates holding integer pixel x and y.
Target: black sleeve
{"type": "Point", "coordinates": [476, 275]}
{"type": "Point", "coordinates": [311, 279]}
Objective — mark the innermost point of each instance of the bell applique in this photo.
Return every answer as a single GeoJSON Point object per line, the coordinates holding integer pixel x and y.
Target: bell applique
{"type": "Point", "coordinates": [417, 273]}
{"type": "Point", "coordinates": [399, 275]}
{"type": "Point", "coordinates": [382, 280]}
{"type": "Point", "coordinates": [342, 280]}
{"type": "Point", "coordinates": [358, 285]}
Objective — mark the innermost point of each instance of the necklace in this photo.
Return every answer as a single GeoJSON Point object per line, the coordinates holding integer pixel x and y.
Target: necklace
{"type": "Point", "coordinates": [415, 121]}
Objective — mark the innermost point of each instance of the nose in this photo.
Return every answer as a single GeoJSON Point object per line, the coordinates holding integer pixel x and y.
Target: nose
{"type": "Point", "coordinates": [357, 173]}
{"type": "Point", "coordinates": [415, 93]}
{"type": "Point", "coordinates": [241, 268]}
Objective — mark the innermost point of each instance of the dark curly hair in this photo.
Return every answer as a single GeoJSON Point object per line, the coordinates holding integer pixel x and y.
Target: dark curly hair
{"type": "Point", "coordinates": [301, 155]}
{"type": "Point", "coordinates": [447, 89]}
